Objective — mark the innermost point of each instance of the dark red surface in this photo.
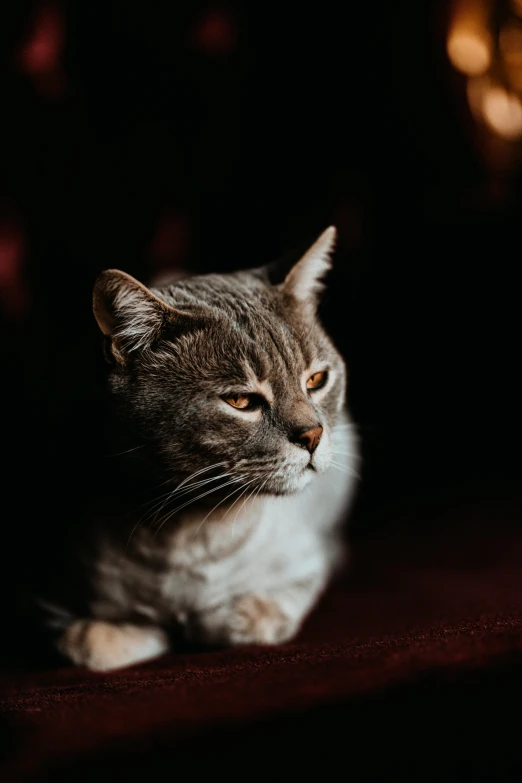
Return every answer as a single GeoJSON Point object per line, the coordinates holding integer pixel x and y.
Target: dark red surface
{"type": "Point", "coordinates": [411, 664]}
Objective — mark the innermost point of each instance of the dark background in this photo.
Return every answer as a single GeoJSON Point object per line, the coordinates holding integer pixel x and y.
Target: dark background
{"type": "Point", "coordinates": [147, 136]}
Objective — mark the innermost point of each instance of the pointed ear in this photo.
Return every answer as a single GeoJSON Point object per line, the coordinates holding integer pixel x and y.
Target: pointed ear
{"type": "Point", "coordinates": [304, 281]}
{"type": "Point", "coordinates": [127, 312]}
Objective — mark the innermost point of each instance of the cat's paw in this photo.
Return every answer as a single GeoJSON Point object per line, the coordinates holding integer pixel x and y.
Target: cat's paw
{"type": "Point", "coordinates": [250, 619]}
{"type": "Point", "coordinates": [260, 620]}
{"type": "Point", "coordinates": [103, 646]}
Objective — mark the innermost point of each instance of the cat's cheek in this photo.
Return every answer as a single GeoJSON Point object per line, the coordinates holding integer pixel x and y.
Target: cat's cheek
{"type": "Point", "coordinates": [228, 437]}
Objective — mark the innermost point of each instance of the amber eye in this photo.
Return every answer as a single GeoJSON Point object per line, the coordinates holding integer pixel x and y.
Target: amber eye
{"type": "Point", "coordinates": [316, 381]}
{"type": "Point", "coordinates": [241, 401]}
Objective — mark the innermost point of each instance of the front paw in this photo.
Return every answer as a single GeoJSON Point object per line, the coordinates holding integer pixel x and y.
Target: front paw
{"type": "Point", "coordinates": [250, 619]}
{"type": "Point", "coordinates": [103, 646]}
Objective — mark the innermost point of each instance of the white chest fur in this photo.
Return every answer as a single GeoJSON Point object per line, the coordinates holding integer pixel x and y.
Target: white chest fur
{"type": "Point", "coordinates": [254, 547]}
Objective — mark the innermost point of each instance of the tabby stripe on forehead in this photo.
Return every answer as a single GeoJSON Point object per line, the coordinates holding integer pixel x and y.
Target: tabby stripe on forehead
{"type": "Point", "coordinates": [288, 355]}
{"type": "Point", "coordinates": [252, 315]}
{"type": "Point", "coordinates": [259, 318]}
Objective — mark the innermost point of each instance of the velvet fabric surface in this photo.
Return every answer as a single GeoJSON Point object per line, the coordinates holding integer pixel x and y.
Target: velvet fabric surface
{"type": "Point", "coordinates": [409, 666]}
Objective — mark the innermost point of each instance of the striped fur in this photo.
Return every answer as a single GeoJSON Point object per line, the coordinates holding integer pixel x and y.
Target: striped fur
{"type": "Point", "coordinates": [242, 539]}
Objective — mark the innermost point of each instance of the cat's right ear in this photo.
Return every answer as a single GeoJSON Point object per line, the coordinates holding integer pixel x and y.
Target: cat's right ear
{"type": "Point", "coordinates": [128, 314]}
{"type": "Point", "coordinates": [302, 282]}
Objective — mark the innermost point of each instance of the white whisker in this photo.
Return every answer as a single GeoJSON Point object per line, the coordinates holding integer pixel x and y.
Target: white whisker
{"type": "Point", "coordinates": [193, 500]}
{"type": "Point", "coordinates": [242, 504]}
{"type": "Point", "coordinates": [130, 536]}
{"type": "Point", "coordinates": [172, 492]}
{"type": "Point", "coordinates": [128, 451]}
{"type": "Point", "coordinates": [344, 469]}
{"type": "Point", "coordinates": [148, 502]}
{"type": "Point", "coordinates": [257, 490]}
{"type": "Point", "coordinates": [198, 472]}
{"type": "Point", "coordinates": [217, 506]}
{"type": "Point", "coordinates": [245, 489]}
{"type": "Point", "coordinates": [186, 490]}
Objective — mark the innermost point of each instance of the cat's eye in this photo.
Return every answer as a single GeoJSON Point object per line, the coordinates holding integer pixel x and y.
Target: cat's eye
{"type": "Point", "coordinates": [316, 381]}
{"type": "Point", "coordinates": [241, 401]}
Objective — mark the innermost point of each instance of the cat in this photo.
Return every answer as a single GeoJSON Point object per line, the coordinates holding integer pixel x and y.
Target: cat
{"type": "Point", "coordinates": [232, 398]}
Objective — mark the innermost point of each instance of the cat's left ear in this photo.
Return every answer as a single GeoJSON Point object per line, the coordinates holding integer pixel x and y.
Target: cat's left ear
{"type": "Point", "coordinates": [305, 280]}
{"type": "Point", "coordinates": [130, 315]}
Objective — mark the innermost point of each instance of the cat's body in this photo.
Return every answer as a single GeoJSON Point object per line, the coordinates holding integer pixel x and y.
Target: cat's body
{"type": "Point", "coordinates": [235, 393]}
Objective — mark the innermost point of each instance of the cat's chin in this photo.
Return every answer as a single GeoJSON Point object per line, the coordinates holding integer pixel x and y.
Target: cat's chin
{"type": "Point", "coordinates": [286, 485]}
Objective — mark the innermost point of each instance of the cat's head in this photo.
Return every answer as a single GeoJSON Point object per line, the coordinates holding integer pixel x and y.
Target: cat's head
{"type": "Point", "coordinates": [232, 371]}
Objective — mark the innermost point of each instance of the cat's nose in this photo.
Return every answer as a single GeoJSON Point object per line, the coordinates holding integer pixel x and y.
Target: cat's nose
{"type": "Point", "coordinates": [310, 438]}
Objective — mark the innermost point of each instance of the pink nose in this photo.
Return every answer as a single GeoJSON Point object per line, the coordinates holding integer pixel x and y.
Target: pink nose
{"type": "Point", "coordinates": [310, 439]}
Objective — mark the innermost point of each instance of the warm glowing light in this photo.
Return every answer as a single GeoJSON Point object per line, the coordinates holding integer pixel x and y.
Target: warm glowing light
{"type": "Point", "coordinates": [517, 6]}
{"type": "Point", "coordinates": [502, 111]}
{"type": "Point", "coordinates": [469, 44]}
{"type": "Point", "coordinates": [469, 53]}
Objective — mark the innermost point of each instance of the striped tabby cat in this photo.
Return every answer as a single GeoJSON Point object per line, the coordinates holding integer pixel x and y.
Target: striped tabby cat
{"type": "Point", "coordinates": [233, 397]}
